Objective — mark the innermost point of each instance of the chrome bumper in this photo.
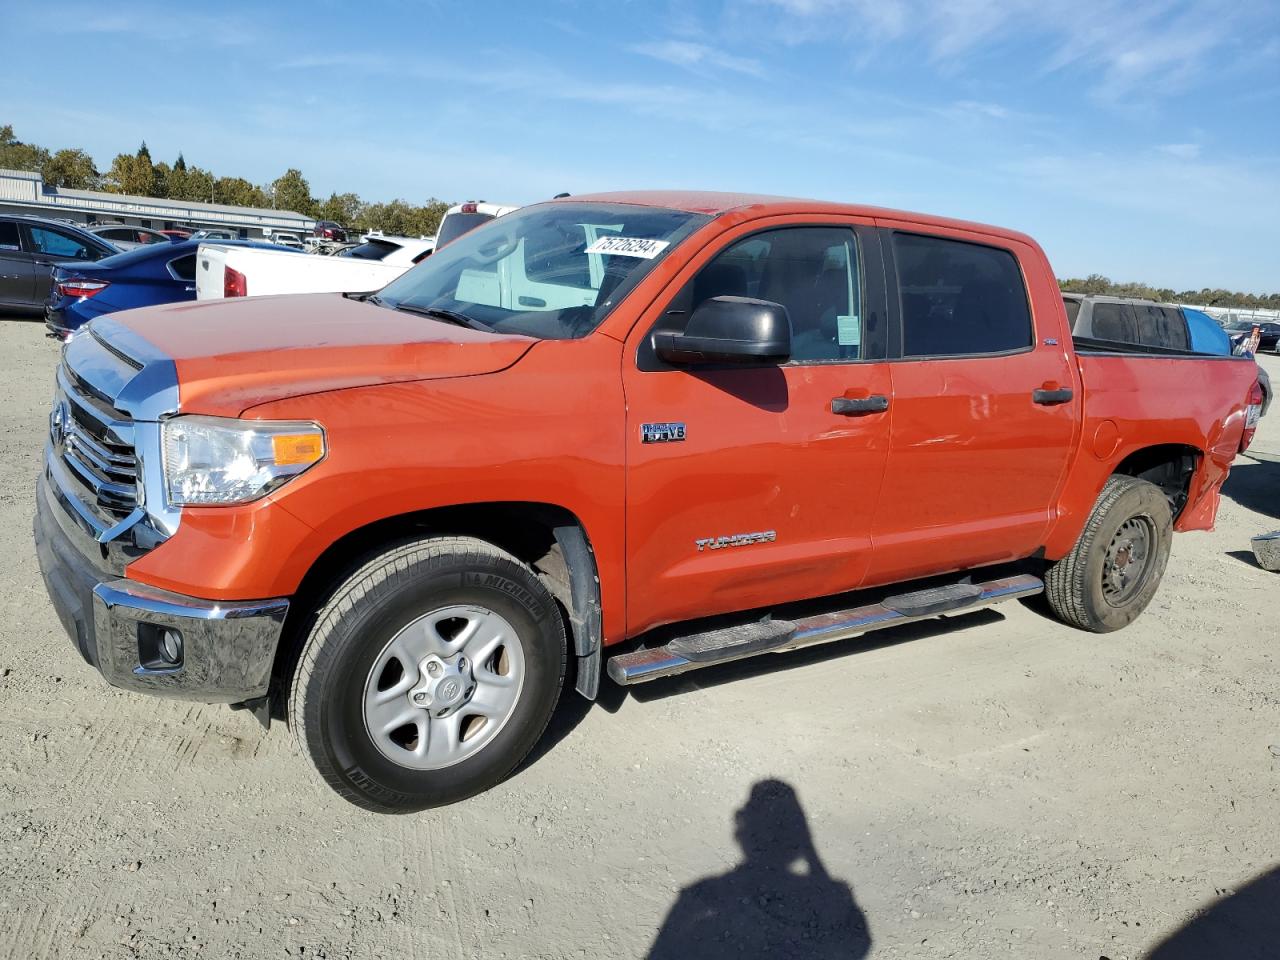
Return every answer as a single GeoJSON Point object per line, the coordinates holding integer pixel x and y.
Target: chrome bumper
{"type": "Point", "coordinates": [228, 648]}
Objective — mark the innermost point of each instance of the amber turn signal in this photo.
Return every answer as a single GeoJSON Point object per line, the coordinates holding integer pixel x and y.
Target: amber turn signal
{"type": "Point", "coordinates": [297, 448]}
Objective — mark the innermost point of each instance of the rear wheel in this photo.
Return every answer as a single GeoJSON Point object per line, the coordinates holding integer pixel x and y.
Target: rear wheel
{"type": "Point", "coordinates": [429, 675]}
{"type": "Point", "coordinates": [1114, 569]}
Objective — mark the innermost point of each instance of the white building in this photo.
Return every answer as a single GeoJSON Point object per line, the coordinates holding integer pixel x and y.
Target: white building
{"type": "Point", "coordinates": [25, 192]}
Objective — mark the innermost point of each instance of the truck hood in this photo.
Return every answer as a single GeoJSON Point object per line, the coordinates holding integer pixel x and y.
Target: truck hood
{"type": "Point", "coordinates": [231, 355]}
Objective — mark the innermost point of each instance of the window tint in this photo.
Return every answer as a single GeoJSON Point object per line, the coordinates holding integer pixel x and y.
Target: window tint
{"type": "Point", "coordinates": [44, 240]}
{"type": "Point", "coordinates": [1174, 329]}
{"type": "Point", "coordinates": [456, 224]}
{"type": "Point", "coordinates": [959, 298]}
{"type": "Point", "coordinates": [184, 268]}
{"type": "Point", "coordinates": [1114, 321]}
{"type": "Point", "coordinates": [370, 250]}
{"type": "Point", "coordinates": [9, 236]}
{"type": "Point", "coordinates": [119, 233]}
{"type": "Point", "coordinates": [812, 271]}
{"type": "Point", "coordinates": [1073, 312]}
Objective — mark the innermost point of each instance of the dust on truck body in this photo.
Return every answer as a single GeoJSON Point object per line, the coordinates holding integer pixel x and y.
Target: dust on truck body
{"type": "Point", "coordinates": [623, 436]}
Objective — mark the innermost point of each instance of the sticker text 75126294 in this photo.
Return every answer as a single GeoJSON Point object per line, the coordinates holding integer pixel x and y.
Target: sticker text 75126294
{"type": "Point", "coordinates": [629, 247]}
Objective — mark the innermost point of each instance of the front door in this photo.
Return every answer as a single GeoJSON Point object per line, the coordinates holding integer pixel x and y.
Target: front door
{"type": "Point", "coordinates": [745, 488]}
{"type": "Point", "coordinates": [983, 415]}
{"type": "Point", "coordinates": [17, 272]}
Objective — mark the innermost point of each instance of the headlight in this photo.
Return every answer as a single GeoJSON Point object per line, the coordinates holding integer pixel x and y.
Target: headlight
{"type": "Point", "coordinates": [214, 461]}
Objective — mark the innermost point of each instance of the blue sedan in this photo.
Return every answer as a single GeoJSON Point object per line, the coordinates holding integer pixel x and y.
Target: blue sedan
{"type": "Point", "coordinates": [151, 274]}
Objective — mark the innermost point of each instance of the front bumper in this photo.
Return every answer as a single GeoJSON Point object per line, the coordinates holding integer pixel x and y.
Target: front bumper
{"type": "Point", "coordinates": [228, 648]}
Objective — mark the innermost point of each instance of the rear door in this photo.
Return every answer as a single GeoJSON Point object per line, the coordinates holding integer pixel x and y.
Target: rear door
{"type": "Point", "coordinates": [983, 410]}
{"type": "Point", "coordinates": [48, 246]}
{"type": "Point", "coordinates": [746, 486]}
{"type": "Point", "coordinates": [17, 270]}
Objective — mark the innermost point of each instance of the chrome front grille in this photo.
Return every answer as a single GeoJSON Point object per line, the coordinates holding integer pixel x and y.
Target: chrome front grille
{"type": "Point", "coordinates": [95, 443]}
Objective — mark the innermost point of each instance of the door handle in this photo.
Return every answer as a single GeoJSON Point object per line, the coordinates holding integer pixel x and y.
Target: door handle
{"type": "Point", "coordinates": [1050, 397]}
{"type": "Point", "coordinates": [851, 407]}
{"type": "Point", "coordinates": [189, 289]}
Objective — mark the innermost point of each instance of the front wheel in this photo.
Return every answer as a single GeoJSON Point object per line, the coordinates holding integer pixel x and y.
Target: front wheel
{"type": "Point", "coordinates": [429, 675]}
{"type": "Point", "coordinates": [1114, 569]}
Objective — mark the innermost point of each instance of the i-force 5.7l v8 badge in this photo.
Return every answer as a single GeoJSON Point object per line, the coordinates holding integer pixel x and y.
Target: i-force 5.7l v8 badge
{"type": "Point", "coordinates": [661, 432]}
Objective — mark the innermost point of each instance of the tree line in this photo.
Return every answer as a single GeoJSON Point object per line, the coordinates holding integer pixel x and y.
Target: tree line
{"type": "Point", "coordinates": [1096, 283]}
{"type": "Point", "coordinates": [137, 174]}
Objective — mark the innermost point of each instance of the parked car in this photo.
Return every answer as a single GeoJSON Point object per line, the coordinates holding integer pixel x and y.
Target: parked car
{"type": "Point", "coordinates": [671, 428]}
{"type": "Point", "coordinates": [29, 247]}
{"type": "Point", "coordinates": [142, 277]}
{"type": "Point", "coordinates": [236, 272]}
{"type": "Point", "coordinates": [177, 233]}
{"type": "Point", "coordinates": [329, 230]}
{"type": "Point", "coordinates": [464, 217]}
{"type": "Point", "coordinates": [290, 240]}
{"type": "Point", "coordinates": [215, 234]}
{"type": "Point", "coordinates": [126, 237]}
{"type": "Point", "coordinates": [1270, 333]}
{"type": "Point", "coordinates": [1150, 325]}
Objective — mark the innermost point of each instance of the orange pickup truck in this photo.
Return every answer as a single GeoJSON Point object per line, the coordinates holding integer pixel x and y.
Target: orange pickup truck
{"type": "Point", "coordinates": [634, 434]}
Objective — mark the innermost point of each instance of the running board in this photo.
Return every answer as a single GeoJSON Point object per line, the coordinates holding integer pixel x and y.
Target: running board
{"type": "Point", "coordinates": [778, 636]}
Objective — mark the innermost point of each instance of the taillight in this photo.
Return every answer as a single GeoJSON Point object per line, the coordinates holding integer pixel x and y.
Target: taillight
{"type": "Point", "coordinates": [469, 207]}
{"type": "Point", "coordinates": [79, 287]}
{"type": "Point", "coordinates": [233, 283]}
{"type": "Point", "coordinates": [1252, 414]}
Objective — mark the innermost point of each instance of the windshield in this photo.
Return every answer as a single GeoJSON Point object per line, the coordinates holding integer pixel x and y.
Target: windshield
{"type": "Point", "coordinates": [553, 271]}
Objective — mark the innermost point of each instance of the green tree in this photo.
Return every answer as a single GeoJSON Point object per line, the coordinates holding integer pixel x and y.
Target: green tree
{"type": "Point", "coordinates": [16, 155]}
{"type": "Point", "coordinates": [291, 191]}
{"type": "Point", "coordinates": [129, 176]}
{"type": "Point", "coordinates": [403, 218]}
{"type": "Point", "coordinates": [239, 192]}
{"type": "Point", "coordinates": [343, 208]}
{"type": "Point", "coordinates": [70, 168]}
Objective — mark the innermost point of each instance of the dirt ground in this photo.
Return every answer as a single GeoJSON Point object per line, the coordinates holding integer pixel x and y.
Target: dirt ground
{"type": "Point", "coordinates": [996, 785]}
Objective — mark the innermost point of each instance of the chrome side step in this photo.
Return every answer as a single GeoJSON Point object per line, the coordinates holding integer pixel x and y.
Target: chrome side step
{"type": "Point", "coordinates": [776, 636]}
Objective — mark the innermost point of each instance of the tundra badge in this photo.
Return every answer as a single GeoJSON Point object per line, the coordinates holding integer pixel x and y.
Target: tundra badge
{"type": "Point", "coordinates": [661, 432]}
{"type": "Point", "coordinates": [736, 540]}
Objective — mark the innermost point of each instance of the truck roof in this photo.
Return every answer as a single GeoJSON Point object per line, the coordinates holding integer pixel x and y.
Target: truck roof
{"type": "Point", "coordinates": [715, 203]}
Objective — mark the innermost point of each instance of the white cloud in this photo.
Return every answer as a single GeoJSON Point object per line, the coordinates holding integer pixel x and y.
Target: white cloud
{"type": "Point", "coordinates": [684, 53]}
{"type": "Point", "coordinates": [1182, 151]}
{"type": "Point", "coordinates": [1130, 50]}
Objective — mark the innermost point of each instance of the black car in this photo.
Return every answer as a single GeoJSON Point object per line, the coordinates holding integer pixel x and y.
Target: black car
{"type": "Point", "coordinates": [29, 247]}
{"type": "Point", "coordinates": [1270, 333]}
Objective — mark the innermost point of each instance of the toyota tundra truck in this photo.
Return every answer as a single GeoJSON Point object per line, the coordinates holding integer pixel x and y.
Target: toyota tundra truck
{"type": "Point", "coordinates": [626, 436]}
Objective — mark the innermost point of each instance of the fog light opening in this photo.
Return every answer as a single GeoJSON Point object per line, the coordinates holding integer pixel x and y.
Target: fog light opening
{"type": "Point", "coordinates": [160, 648]}
{"type": "Point", "coordinates": [171, 647]}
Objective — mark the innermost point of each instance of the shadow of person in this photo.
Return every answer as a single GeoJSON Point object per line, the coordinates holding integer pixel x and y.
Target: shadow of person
{"type": "Point", "coordinates": [1242, 926]}
{"type": "Point", "coordinates": [778, 902]}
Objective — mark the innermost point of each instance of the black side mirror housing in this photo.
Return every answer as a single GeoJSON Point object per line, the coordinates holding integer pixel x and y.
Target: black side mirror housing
{"type": "Point", "coordinates": [730, 330]}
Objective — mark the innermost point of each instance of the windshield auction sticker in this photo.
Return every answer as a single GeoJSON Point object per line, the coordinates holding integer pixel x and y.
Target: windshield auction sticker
{"type": "Point", "coordinates": [629, 247]}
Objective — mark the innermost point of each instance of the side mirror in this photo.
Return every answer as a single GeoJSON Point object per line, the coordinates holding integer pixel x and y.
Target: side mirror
{"type": "Point", "coordinates": [730, 330]}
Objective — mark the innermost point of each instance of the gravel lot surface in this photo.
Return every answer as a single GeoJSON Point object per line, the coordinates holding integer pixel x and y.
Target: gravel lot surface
{"type": "Point", "coordinates": [995, 786]}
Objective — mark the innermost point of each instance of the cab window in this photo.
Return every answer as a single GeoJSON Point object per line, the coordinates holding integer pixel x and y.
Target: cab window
{"type": "Point", "coordinates": [959, 298]}
{"type": "Point", "coordinates": [812, 271]}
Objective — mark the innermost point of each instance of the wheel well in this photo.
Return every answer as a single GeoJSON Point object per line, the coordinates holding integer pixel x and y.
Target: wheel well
{"type": "Point", "coordinates": [531, 532]}
{"type": "Point", "coordinates": [1169, 466]}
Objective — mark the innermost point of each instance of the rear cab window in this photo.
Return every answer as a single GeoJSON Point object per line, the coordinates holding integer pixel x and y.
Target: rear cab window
{"type": "Point", "coordinates": [456, 224]}
{"type": "Point", "coordinates": [959, 298]}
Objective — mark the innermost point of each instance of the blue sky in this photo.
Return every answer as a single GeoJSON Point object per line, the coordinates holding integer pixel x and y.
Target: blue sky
{"type": "Point", "coordinates": [1136, 139]}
